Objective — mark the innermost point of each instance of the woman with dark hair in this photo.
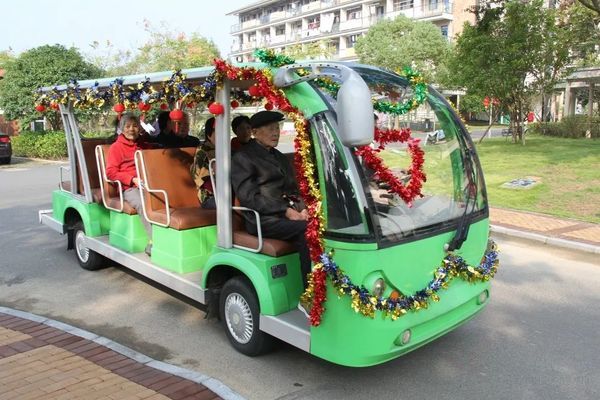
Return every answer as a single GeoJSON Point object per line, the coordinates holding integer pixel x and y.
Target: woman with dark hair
{"type": "Point", "coordinates": [200, 170]}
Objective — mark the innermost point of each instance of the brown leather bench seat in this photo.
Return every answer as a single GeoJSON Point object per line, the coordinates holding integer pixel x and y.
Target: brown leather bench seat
{"type": "Point", "coordinates": [89, 146]}
{"type": "Point", "coordinates": [169, 170]}
{"type": "Point", "coordinates": [271, 247]}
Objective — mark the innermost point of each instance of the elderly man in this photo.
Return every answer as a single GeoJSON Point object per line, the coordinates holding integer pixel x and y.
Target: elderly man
{"type": "Point", "coordinates": [263, 180]}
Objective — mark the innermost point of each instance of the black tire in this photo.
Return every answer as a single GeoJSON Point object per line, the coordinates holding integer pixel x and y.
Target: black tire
{"type": "Point", "coordinates": [87, 259]}
{"type": "Point", "coordinates": [240, 313]}
{"type": "Point", "coordinates": [5, 160]}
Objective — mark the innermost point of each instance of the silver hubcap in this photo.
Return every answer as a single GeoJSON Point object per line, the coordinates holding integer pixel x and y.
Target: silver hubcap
{"type": "Point", "coordinates": [82, 252]}
{"type": "Point", "coordinates": [239, 318]}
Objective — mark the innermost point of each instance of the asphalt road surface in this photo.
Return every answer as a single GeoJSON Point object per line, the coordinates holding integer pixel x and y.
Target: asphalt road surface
{"type": "Point", "coordinates": [539, 338]}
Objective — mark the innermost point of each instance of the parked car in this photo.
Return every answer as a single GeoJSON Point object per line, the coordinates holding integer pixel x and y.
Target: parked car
{"type": "Point", "coordinates": [5, 149]}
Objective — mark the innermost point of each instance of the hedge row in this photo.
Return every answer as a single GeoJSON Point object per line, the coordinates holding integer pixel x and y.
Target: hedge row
{"type": "Point", "coordinates": [49, 145]}
{"type": "Point", "coordinates": [574, 126]}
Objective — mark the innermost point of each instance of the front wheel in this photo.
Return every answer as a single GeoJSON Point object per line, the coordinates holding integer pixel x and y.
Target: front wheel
{"type": "Point", "coordinates": [239, 310]}
{"type": "Point", "coordinates": [87, 258]}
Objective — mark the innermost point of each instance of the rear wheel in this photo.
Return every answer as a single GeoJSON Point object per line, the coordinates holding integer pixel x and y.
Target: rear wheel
{"type": "Point", "coordinates": [87, 258]}
{"type": "Point", "coordinates": [5, 160]}
{"type": "Point", "coordinates": [240, 313]}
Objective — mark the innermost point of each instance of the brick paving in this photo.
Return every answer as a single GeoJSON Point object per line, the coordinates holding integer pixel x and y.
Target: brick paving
{"type": "Point", "coordinates": [577, 231]}
{"type": "Point", "coordinates": [38, 361]}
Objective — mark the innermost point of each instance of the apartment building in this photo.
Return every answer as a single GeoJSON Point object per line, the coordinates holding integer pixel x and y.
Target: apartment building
{"type": "Point", "coordinates": [277, 24]}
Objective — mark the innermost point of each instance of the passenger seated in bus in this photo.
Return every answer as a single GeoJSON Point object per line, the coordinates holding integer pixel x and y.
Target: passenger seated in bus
{"type": "Point", "coordinates": [263, 180]}
{"type": "Point", "coordinates": [199, 168]}
{"type": "Point", "coordinates": [243, 131]}
{"type": "Point", "coordinates": [120, 166]}
{"type": "Point", "coordinates": [177, 134]}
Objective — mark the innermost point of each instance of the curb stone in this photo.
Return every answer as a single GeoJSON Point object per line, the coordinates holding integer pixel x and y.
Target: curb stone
{"type": "Point", "coordinates": [213, 384]}
{"type": "Point", "coordinates": [564, 243]}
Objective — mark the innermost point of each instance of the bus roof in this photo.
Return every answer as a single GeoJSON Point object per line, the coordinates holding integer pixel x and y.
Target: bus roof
{"type": "Point", "coordinates": [154, 77]}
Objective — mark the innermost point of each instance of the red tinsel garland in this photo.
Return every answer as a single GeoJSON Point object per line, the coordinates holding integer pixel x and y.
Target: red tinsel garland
{"type": "Point", "coordinates": [372, 160]}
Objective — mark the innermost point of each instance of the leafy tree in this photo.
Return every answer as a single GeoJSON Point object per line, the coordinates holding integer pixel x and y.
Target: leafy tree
{"type": "Point", "coordinates": [515, 50]}
{"type": "Point", "coordinates": [6, 56]}
{"type": "Point", "coordinates": [584, 27]}
{"type": "Point", "coordinates": [42, 66]}
{"type": "Point", "coordinates": [310, 51]}
{"type": "Point", "coordinates": [396, 43]}
{"type": "Point", "coordinates": [166, 50]}
{"type": "Point", "coordinates": [593, 5]}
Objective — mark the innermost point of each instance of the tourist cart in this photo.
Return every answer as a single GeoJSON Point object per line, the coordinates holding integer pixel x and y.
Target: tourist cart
{"type": "Point", "coordinates": [398, 230]}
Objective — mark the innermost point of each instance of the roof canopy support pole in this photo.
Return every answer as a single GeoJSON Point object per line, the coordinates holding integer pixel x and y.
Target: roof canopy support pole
{"type": "Point", "coordinates": [223, 169]}
{"type": "Point", "coordinates": [588, 133]}
{"type": "Point", "coordinates": [569, 101]}
{"type": "Point", "coordinates": [64, 114]}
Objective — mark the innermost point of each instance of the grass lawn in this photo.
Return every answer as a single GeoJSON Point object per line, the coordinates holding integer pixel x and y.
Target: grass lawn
{"type": "Point", "coordinates": [569, 170]}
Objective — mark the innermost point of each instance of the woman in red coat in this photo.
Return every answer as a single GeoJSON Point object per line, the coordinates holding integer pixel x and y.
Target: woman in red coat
{"type": "Point", "coordinates": [120, 166]}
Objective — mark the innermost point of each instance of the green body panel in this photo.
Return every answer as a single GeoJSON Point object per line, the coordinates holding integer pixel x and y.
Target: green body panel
{"type": "Point", "coordinates": [95, 217]}
{"type": "Point", "coordinates": [127, 232]}
{"type": "Point", "coordinates": [348, 338]}
{"type": "Point", "coordinates": [182, 251]}
{"type": "Point", "coordinates": [275, 295]}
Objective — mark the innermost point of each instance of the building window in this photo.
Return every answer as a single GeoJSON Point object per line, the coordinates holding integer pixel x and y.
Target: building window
{"type": "Point", "coordinates": [354, 13]}
{"type": "Point", "coordinates": [433, 5]}
{"type": "Point", "coordinates": [280, 30]}
{"type": "Point", "coordinates": [403, 4]}
{"type": "Point", "coordinates": [444, 30]}
{"type": "Point", "coordinates": [351, 40]}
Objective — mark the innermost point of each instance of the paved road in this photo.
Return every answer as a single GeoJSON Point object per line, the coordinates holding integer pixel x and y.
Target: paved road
{"type": "Point", "coordinates": [538, 338]}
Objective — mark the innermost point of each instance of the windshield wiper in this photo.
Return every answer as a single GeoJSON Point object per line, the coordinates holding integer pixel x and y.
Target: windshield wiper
{"type": "Point", "coordinates": [462, 231]}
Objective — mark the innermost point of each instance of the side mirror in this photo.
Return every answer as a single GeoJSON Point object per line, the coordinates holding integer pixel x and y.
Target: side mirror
{"type": "Point", "coordinates": [354, 109]}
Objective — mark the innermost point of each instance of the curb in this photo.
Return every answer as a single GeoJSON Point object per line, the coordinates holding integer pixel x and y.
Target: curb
{"type": "Point", "coordinates": [213, 384]}
{"type": "Point", "coordinates": [564, 243]}
{"type": "Point", "coordinates": [65, 161]}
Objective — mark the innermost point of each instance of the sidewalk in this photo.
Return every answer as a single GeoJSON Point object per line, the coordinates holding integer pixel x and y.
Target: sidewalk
{"type": "Point", "coordinates": [45, 359]}
{"type": "Point", "coordinates": [572, 234]}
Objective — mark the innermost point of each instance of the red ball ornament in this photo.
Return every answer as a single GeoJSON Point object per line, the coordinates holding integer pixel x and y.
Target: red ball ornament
{"type": "Point", "coordinates": [216, 108]}
{"type": "Point", "coordinates": [254, 91]}
{"type": "Point", "coordinates": [119, 108]}
{"type": "Point", "coordinates": [54, 105]}
{"type": "Point", "coordinates": [40, 108]}
{"type": "Point", "coordinates": [234, 104]}
{"type": "Point", "coordinates": [143, 107]}
{"type": "Point", "coordinates": [268, 106]}
{"type": "Point", "coordinates": [164, 106]}
{"type": "Point", "coordinates": [176, 116]}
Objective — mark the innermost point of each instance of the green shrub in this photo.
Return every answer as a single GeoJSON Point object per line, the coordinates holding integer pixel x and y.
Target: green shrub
{"type": "Point", "coordinates": [48, 145]}
{"type": "Point", "coordinates": [574, 126]}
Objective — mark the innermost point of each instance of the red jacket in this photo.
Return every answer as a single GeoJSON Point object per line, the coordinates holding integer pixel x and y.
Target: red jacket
{"type": "Point", "coordinates": [120, 165]}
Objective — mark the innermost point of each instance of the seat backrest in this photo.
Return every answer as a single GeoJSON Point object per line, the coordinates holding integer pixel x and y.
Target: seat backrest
{"type": "Point", "coordinates": [169, 170]}
{"type": "Point", "coordinates": [110, 190]}
{"type": "Point", "coordinates": [89, 146]}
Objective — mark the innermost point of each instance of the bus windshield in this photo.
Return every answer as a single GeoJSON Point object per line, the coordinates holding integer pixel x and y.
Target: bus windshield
{"type": "Point", "coordinates": [454, 187]}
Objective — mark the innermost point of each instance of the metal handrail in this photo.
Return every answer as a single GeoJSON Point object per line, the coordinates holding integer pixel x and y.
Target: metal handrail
{"type": "Point", "coordinates": [211, 172]}
{"type": "Point", "coordinates": [258, 231]}
{"type": "Point", "coordinates": [140, 167]}
{"type": "Point", "coordinates": [62, 168]}
{"type": "Point", "coordinates": [102, 173]}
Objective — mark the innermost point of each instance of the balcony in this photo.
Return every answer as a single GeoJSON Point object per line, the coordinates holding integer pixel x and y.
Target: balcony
{"type": "Point", "coordinates": [434, 9]}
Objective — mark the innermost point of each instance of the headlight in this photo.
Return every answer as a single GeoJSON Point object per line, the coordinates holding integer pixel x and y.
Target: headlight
{"type": "Point", "coordinates": [379, 287]}
{"type": "Point", "coordinates": [483, 296]}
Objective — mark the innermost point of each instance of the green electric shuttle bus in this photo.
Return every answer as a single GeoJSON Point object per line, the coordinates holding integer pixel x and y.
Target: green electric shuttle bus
{"type": "Point", "coordinates": [391, 256]}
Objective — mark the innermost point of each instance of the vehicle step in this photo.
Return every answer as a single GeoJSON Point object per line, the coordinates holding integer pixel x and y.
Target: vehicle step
{"type": "Point", "coordinates": [292, 327]}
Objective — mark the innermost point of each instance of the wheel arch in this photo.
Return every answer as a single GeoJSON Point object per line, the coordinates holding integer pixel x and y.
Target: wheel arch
{"type": "Point", "coordinates": [223, 266]}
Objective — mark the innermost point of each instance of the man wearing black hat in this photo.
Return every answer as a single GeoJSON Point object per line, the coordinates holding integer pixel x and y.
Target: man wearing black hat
{"type": "Point", "coordinates": [263, 180]}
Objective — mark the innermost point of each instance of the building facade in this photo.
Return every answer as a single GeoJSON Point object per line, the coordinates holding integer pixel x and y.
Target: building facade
{"type": "Point", "coordinates": [337, 24]}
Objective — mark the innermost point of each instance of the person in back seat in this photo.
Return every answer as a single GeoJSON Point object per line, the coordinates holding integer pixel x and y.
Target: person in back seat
{"type": "Point", "coordinates": [120, 166]}
{"type": "Point", "coordinates": [177, 136]}
{"type": "Point", "coordinates": [199, 168]}
{"type": "Point", "coordinates": [263, 180]}
{"type": "Point", "coordinates": [243, 131]}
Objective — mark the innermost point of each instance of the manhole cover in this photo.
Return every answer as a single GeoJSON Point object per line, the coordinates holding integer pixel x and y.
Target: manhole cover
{"type": "Point", "coordinates": [522, 183]}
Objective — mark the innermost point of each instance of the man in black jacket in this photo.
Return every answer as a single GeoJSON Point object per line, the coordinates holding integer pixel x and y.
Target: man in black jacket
{"type": "Point", "coordinates": [263, 180]}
